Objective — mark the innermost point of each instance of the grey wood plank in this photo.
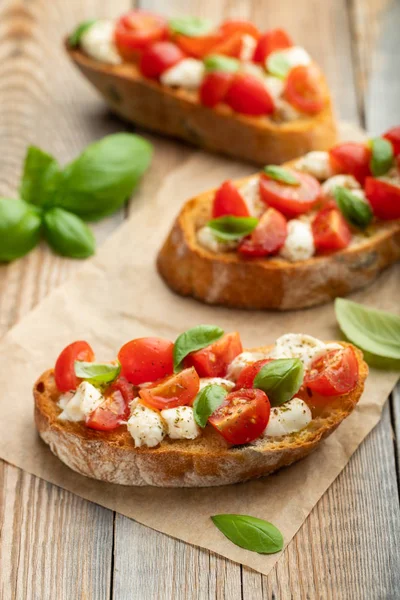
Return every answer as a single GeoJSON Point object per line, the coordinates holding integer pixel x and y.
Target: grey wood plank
{"type": "Point", "coordinates": [396, 425]}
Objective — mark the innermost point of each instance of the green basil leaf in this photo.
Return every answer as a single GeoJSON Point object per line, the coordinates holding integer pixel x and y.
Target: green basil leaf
{"type": "Point", "coordinates": [280, 379]}
{"type": "Point", "coordinates": [219, 62]}
{"type": "Point", "coordinates": [281, 174]}
{"type": "Point", "coordinates": [230, 228]}
{"type": "Point", "coordinates": [277, 64]}
{"type": "Point", "coordinates": [67, 234]}
{"type": "Point", "coordinates": [250, 533]}
{"type": "Point", "coordinates": [97, 372]}
{"type": "Point", "coordinates": [190, 26]}
{"type": "Point", "coordinates": [375, 331]}
{"type": "Point", "coordinates": [382, 156]}
{"type": "Point", "coordinates": [102, 178]}
{"type": "Point", "coordinates": [20, 228]}
{"type": "Point", "coordinates": [194, 339]}
{"type": "Point", "coordinates": [40, 177]}
{"type": "Point", "coordinates": [207, 401]}
{"type": "Point", "coordinates": [355, 210]}
{"type": "Point", "coordinates": [75, 37]}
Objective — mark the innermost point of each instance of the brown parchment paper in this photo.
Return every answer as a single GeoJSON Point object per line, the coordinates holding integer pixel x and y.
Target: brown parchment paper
{"type": "Point", "coordinates": [118, 296]}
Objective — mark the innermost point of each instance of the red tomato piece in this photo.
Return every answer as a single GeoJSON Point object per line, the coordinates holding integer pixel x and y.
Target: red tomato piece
{"type": "Point", "coordinates": [304, 89]}
{"type": "Point", "coordinates": [249, 96]}
{"type": "Point", "coordinates": [197, 46]}
{"type": "Point", "coordinates": [271, 41]}
{"type": "Point", "coordinates": [352, 158]}
{"type": "Point", "coordinates": [334, 373]}
{"type": "Point", "coordinates": [384, 198]}
{"type": "Point", "coordinates": [239, 26]}
{"type": "Point", "coordinates": [146, 359]}
{"type": "Point", "coordinates": [64, 370]}
{"type": "Point", "coordinates": [214, 360]}
{"type": "Point", "coordinates": [229, 201]}
{"type": "Point", "coordinates": [248, 374]}
{"type": "Point", "coordinates": [214, 88]}
{"type": "Point", "coordinates": [330, 230]}
{"type": "Point", "coordinates": [177, 390]}
{"type": "Point", "coordinates": [242, 417]}
{"type": "Point", "coordinates": [159, 57]}
{"type": "Point", "coordinates": [393, 135]}
{"type": "Point", "coordinates": [267, 238]}
{"type": "Point", "coordinates": [231, 46]}
{"type": "Point", "coordinates": [290, 200]}
{"type": "Point", "coordinates": [115, 407]}
{"type": "Point", "coordinates": [137, 30]}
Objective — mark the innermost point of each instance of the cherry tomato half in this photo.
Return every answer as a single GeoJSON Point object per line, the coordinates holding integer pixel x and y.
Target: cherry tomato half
{"type": "Point", "coordinates": [64, 370]}
{"type": "Point", "coordinates": [232, 45]}
{"type": "Point", "coordinates": [334, 373]}
{"type": "Point", "coordinates": [268, 237]}
{"type": "Point", "coordinates": [351, 158]}
{"type": "Point", "coordinates": [198, 46]}
{"type": "Point", "coordinates": [137, 30]}
{"type": "Point", "coordinates": [384, 198]}
{"type": "Point", "coordinates": [248, 374]}
{"type": "Point", "coordinates": [290, 200]}
{"type": "Point", "coordinates": [330, 230]}
{"type": "Point", "coordinates": [238, 26]}
{"type": "Point", "coordinates": [115, 407]}
{"type": "Point", "coordinates": [159, 57]}
{"type": "Point", "coordinates": [271, 41]}
{"type": "Point", "coordinates": [393, 135]}
{"type": "Point", "coordinates": [242, 417]}
{"type": "Point", "coordinates": [304, 89]}
{"type": "Point", "coordinates": [229, 201]}
{"type": "Point", "coordinates": [146, 359]}
{"type": "Point", "coordinates": [214, 88]}
{"type": "Point", "coordinates": [214, 360]}
{"type": "Point", "coordinates": [249, 96]}
{"type": "Point", "coordinates": [177, 390]}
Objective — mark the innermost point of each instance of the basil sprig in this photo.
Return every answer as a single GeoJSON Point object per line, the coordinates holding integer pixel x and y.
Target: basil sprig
{"type": "Point", "coordinates": [250, 533]}
{"type": "Point", "coordinates": [355, 210]}
{"type": "Point", "coordinates": [190, 26]}
{"type": "Point", "coordinates": [280, 379]}
{"type": "Point", "coordinates": [20, 228]}
{"type": "Point", "coordinates": [40, 177]}
{"type": "Point", "coordinates": [96, 372]}
{"type": "Point", "coordinates": [382, 156]}
{"type": "Point", "coordinates": [219, 62]}
{"type": "Point", "coordinates": [207, 401]}
{"type": "Point", "coordinates": [281, 174]}
{"type": "Point", "coordinates": [374, 331]}
{"type": "Point", "coordinates": [277, 64]}
{"type": "Point", "coordinates": [76, 36]}
{"type": "Point", "coordinates": [194, 339]}
{"type": "Point", "coordinates": [67, 234]}
{"type": "Point", "coordinates": [230, 228]}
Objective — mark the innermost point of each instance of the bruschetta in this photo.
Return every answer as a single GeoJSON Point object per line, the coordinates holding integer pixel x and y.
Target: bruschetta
{"type": "Point", "coordinates": [291, 236]}
{"type": "Point", "coordinates": [197, 412]}
{"type": "Point", "coordinates": [229, 89]}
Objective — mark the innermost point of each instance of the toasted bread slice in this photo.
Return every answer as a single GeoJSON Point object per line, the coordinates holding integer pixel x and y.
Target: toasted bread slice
{"type": "Point", "coordinates": [178, 113]}
{"type": "Point", "coordinates": [205, 461]}
{"type": "Point", "coordinates": [269, 283]}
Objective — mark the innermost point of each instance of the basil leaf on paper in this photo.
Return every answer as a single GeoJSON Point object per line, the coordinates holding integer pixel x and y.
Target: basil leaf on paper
{"type": "Point", "coordinates": [382, 156]}
{"type": "Point", "coordinates": [190, 26]}
{"type": "Point", "coordinates": [207, 401]}
{"type": "Point", "coordinates": [375, 331]}
{"type": "Point", "coordinates": [97, 372]}
{"type": "Point", "coordinates": [219, 62]}
{"type": "Point", "coordinates": [355, 210]}
{"type": "Point", "coordinates": [194, 339]}
{"type": "Point", "coordinates": [20, 228]}
{"type": "Point", "coordinates": [230, 228]}
{"type": "Point", "coordinates": [103, 177]}
{"type": "Point", "coordinates": [280, 379]}
{"type": "Point", "coordinates": [75, 37]}
{"type": "Point", "coordinates": [281, 174]}
{"type": "Point", "coordinates": [67, 234]}
{"type": "Point", "coordinates": [277, 64]}
{"type": "Point", "coordinates": [40, 177]}
{"type": "Point", "coordinates": [250, 533]}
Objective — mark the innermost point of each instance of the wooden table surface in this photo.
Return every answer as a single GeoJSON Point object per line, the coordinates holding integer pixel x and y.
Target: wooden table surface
{"type": "Point", "coordinates": [57, 546]}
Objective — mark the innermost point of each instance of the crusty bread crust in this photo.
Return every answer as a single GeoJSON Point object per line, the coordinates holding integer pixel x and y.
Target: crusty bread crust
{"type": "Point", "coordinates": [177, 113]}
{"type": "Point", "coordinates": [269, 283]}
{"type": "Point", "coordinates": [205, 461]}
